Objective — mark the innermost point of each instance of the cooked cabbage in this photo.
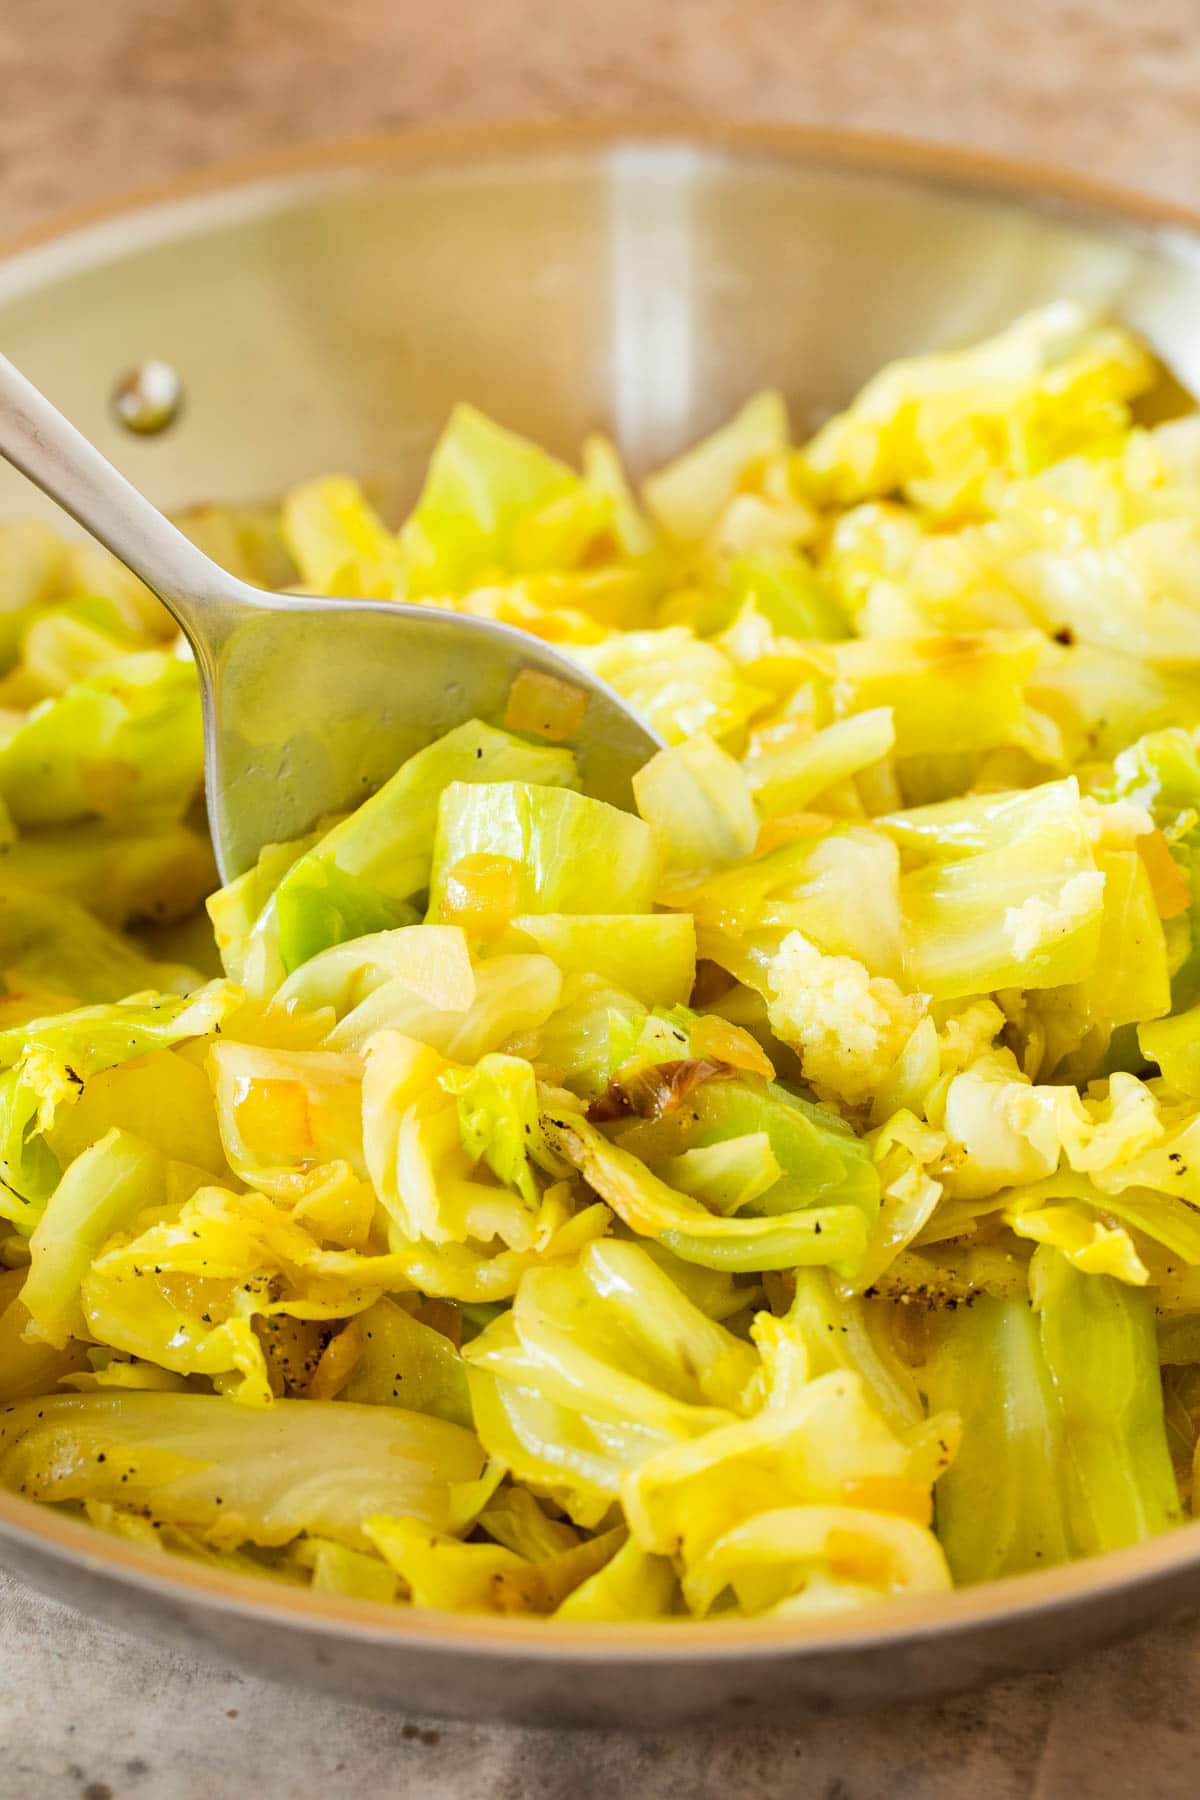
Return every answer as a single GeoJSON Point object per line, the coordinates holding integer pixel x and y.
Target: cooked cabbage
{"type": "Point", "coordinates": [774, 1198]}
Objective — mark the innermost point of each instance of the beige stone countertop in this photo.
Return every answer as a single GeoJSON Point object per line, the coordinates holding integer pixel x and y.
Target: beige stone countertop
{"type": "Point", "coordinates": [91, 1714]}
{"type": "Point", "coordinates": [102, 95]}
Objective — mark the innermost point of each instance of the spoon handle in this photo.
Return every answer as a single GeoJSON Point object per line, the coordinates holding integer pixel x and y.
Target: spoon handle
{"type": "Point", "coordinates": [42, 444]}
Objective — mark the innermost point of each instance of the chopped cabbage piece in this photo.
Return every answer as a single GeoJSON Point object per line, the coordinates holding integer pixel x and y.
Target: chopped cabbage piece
{"type": "Point", "coordinates": [651, 957]}
{"type": "Point", "coordinates": [1098, 1340]}
{"type": "Point", "coordinates": [1055, 381]}
{"type": "Point", "coordinates": [102, 1191]}
{"type": "Point", "coordinates": [340, 544]}
{"type": "Point", "coordinates": [124, 743]}
{"type": "Point", "coordinates": [406, 1363]}
{"type": "Point", "coordinates": [688, 496]}
{"type": "Point", "coordinates": [813, 1559]}
{"type": "Point", "coordinates": [572, 854]}
{"type": "Point", "coordinates": [58, 947]}
{"type": "Point", "coordinates": [679, 683]}
{"type": "Point", "coordinates": [595, 1367]}
{"type": "Point", "coordinates": [1001, 1504]}
{"type": "Point", "coordinates": [698, 803]}
{"type": "Point", "coordinates": [1025, 911]}
{"type": "Point", "coordinates": [631, 1585]}
{"type": "Point", "coordinates": [493, 502]}
{"type": "Point", "coordinates": [835, 1234]}
{"type": "Point", "coordinates": [236, 1477]}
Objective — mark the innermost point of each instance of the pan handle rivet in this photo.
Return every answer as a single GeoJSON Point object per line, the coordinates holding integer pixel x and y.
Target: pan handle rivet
{"type": "Point", "coordinates": [148, 398]}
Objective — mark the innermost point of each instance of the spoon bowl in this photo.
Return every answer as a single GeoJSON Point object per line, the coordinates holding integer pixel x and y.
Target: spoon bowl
{"type": "Point", "coordinates": [309, 703]}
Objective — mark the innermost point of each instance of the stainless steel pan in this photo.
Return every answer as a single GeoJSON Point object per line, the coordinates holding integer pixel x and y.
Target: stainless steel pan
{"type": "Point", "coordinates": [324, 312]}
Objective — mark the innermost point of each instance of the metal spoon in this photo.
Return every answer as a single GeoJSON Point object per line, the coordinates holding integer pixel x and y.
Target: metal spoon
{"type": "Point", "coordinates": [309, 704]}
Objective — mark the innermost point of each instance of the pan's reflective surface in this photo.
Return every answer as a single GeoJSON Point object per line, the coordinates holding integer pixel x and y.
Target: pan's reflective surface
{"type": "Point", "coordinates": [328, 316]}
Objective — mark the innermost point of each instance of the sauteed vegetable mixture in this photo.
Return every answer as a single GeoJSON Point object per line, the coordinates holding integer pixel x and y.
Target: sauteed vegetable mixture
{"type": "Point", "coordinates": [782, 1198]}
